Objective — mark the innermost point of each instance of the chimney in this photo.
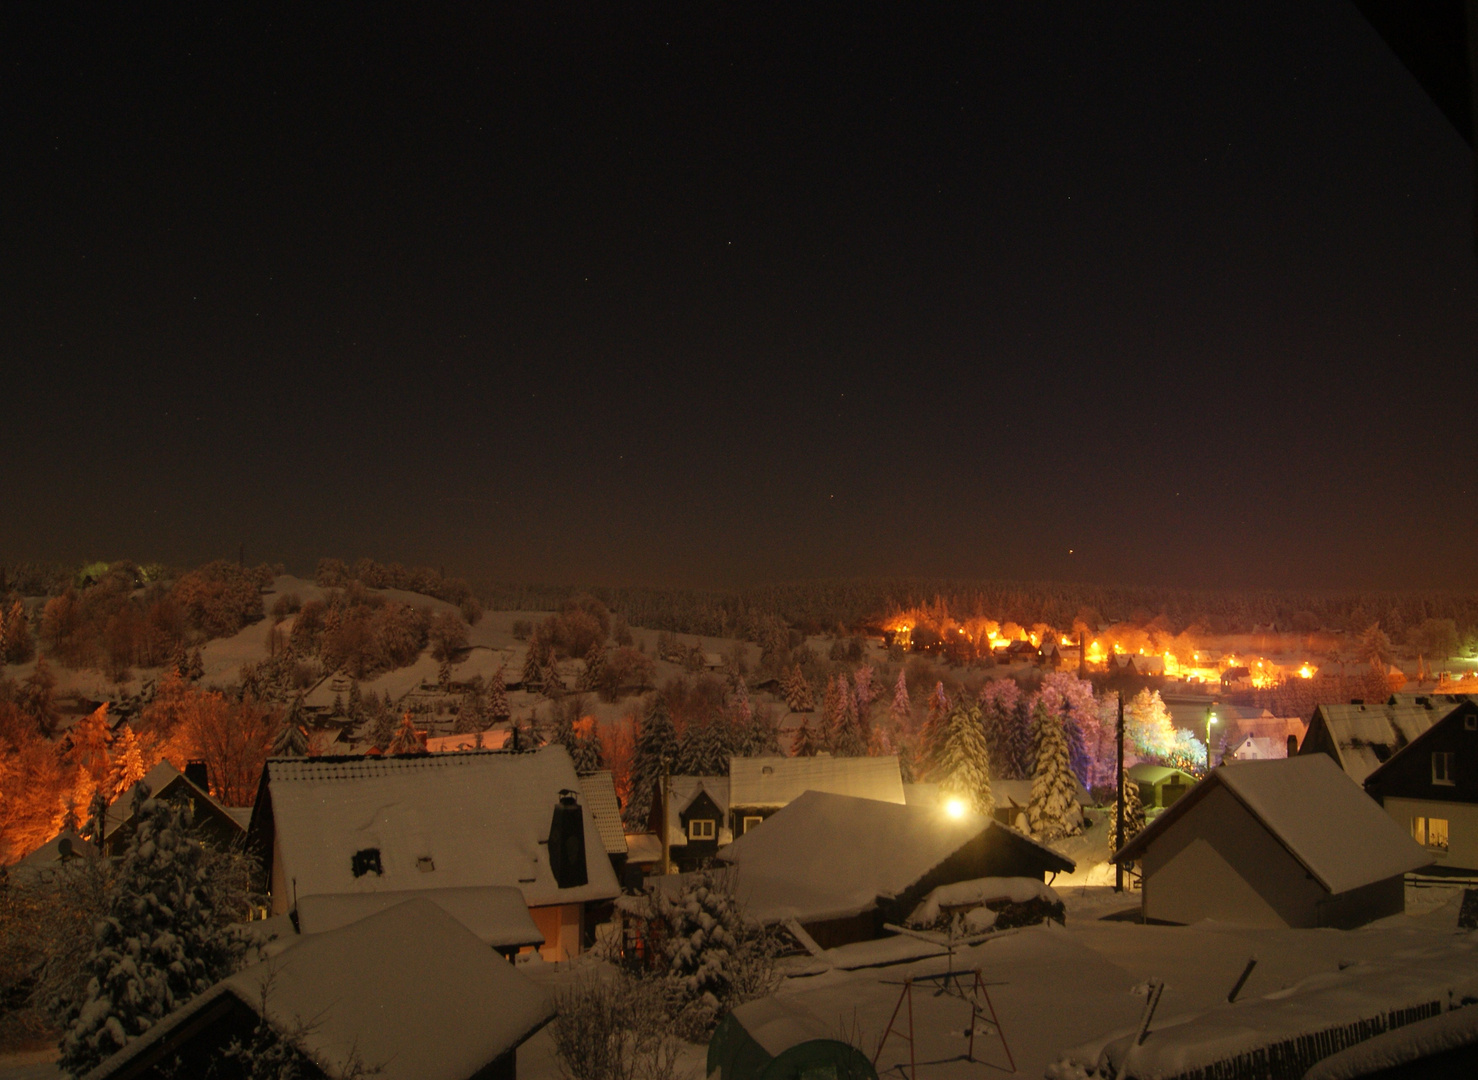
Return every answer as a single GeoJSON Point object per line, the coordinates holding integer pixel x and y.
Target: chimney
{"type": "Point", "coordinates": [567, 842]}
{"type": "Point", "coordinates": [1293, 746]}
{"type": "Point", "coordinates": [196, 773]}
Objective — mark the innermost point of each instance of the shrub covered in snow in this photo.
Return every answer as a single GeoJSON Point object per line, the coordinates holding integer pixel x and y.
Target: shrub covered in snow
{"type": "Point", "coordinates": [615, 1028]}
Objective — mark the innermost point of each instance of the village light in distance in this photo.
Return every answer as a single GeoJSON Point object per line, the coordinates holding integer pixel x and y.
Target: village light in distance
{"type": "Point", "coordinates": [955, 808]}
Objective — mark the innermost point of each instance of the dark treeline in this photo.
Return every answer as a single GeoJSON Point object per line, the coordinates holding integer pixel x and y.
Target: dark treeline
{"type": "Point", "coordinates": [825, 606]}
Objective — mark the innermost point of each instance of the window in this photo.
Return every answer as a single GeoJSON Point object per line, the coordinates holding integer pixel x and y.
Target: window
{"type": "Point", "coordinates": [1471, 722]}
{"type": "Point", "coordinates": [366, 861]}
{"type": "Point", "coordinates": [1430, 832]}
{"type": "Point", "coordinates": [701, 829]}
{"type": "Point", "coordinates": [1442, 767]}
{"type": "Point", "coordinates": [751, 822]}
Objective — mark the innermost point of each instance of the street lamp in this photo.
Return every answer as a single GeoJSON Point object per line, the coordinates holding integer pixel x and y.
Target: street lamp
{"type": "Point", "coordinates": [1210, 719]}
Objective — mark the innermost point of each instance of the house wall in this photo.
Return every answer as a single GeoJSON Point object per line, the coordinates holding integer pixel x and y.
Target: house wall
{"type": "Point", "coordinates": [561, 925]}
{"type": "Point", "coordinates": [831, 933]}
{"type": "Point", "coordinates": [1462, 828]}
{"type": "Point", "coordinates": [1219, 862]}
{"type": "Point", "coordinates": [1347, 910]}
{"type": "Point", "coordinates": [281, 893]}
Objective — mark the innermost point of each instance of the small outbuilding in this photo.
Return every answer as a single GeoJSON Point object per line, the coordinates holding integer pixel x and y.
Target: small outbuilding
{"type": "Point", "coordinates": [1160, 785]}
{"type": "Point", "coordinates": [409, 993]}
{"type": "Point", "coordinates": [843, 867]}
{"type": "Point", "coordinates": [1285, 843]}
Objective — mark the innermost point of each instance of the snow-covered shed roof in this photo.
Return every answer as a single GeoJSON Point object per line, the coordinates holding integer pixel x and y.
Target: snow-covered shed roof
{"type": "Point", "coordinates": [497, 914]}
{"type": "Point", "coordinates": [828, 856]}
{"type": "Point", "coordinates": [438, 821]}
{"type": "Point", "coordinates": [1147, 772]}
{"type": "Point", "coordinates": [409, 991]}
{"type": "Point", "coordinates": [1363, 737]}
{"type": "Point", "coordinates": [599, 791]}
{"type": "Point", "coordinates": [776, 781]}
{"type": "Point", "coordinates": [1336, 832]}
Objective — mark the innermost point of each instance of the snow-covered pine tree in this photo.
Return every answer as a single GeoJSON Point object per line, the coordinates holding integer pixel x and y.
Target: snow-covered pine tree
{"type": "Point", "coordinates": [128, 761]}
{"type": "Point", "coordinates": [291, 740]}
{"type": "Point", "coordinates": [337, 709]}
{"type": "Point", "coordinates": [849, 740]}
{"type": "Point", "coordinates": [798, 696]}
{"type": "Point", "coordinates": [382, 729]}
{"type": "Point", "coordinates": [762, 734]}
{"type": "Point", "coordinates": [498, 707]}
{"type": "Point", "coordinates": [902, 709]}
{"type": "Point", "coordinates": [472, 712]}
{"type": "Point", "coordinates": [533, 665]}
{"type": "Point", "coordinates": [405, 740]}
{"type": "Point", "coordinates": [703, 750]}
{"type": "Point", "coordinates": [1053, 811]}
{"type": "Point", "coordinates": [595, 662]}
{"type": "Point", "coordinates": [654, 753]}
{"type": "Point", "coordinates": [444, 673]}
{"type": "Point", "coordinates": [705, 934]}
{"type": "Point", "coordinates": [963, 764]}
{"type": "Point", "coordinates": [158, 946]}
{"type": "Point", "coordinates": [1133, 814]}
{"type": "Point", "coordinates": [931, 735]}
{"type": "Point", "coordinates": [999, 700]}
{"type": "Point", "coordinates": [804, 743]}
{"type": "Point", "coordinates": [196, 671]}
{"type": "Point", "coordinates": [864, 689]}
{"type": "Point", "coordinates": [553, 686]}
{"type": "Point", "coordinates": [831, 713]}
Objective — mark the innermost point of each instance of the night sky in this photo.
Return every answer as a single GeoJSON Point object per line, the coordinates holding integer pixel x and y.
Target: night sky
{"type": "Point", "coordinates": [711, 294]}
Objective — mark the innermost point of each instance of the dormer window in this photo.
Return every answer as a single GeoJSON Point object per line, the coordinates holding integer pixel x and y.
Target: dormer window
{"type": "Point", "coordinates": [701, 829]}
{"type": "Point", "coordinates": [366, 861]}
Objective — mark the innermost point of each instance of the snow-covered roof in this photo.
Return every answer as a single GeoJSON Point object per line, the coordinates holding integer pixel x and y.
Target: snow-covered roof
{"type": "Point", "coordinates": [1338, 833]}
{"type": "Point", "coordinates": [981, 891]}
{"type": "Point", "coordinates": [1365, 736]}
{"type": "Point", "coordinates": [438, 820]}
{"type": "Point", "coordinates": [599, 791]}
{"type": "Point", "coordinates": [165, 779]}
{"type": "Point", "coordinates": [497, 914]}
{"type": "Point", "coordinates": [776, 781]}
{"type": "Point", "coordinates": [643, 847]}
{"type": "Point", "coordinates": [1147, 772]}
{"type": "Point", "coordinates": [492, 739]}
{"type": "Point", "coordinates": [830, 856]}
{"type": "Point", "coordinates": [777, 1024]}
{"type": "Point", "coordinates": [410, 991]}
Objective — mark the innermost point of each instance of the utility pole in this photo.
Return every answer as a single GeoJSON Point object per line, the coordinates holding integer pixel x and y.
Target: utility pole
{"type": "Point", "coordinates": [666, 848]}
{"type": "Point", "coordinates": [1119, 801]}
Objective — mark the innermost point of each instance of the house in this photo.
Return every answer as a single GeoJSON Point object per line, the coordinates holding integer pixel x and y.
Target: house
{"type": "Point", "coordinates": [409, 992]}
{"type": "Point", "coordinates": [841, 867]}
{"type": "Point", "coordinates": [47, 864]}
{"type": "Point", "coordinates": [1236, 678]}
{"type": "Point", "coordinates": [1430, 787]}
{"type": "Point", "coordinates": [1259, 748]}
{"type": "Point", "coordinates": [422, 822]}
{"type": "Point", "coordinates": [1288, 843]}
{"type": "Point", "coordinates": [1360, 738]}
{"type": "Point", "coordinates": [220, 825]}
{"type": "Point", "coordinates": [1160, 785]}
{"type": "Point", "coordinates": [697, 819]}
{"type": "Point", "coordinates": [759, 786]}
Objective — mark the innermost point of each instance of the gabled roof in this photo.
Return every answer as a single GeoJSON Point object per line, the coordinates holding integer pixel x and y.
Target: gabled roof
{"type": "Point", "coordinates": [481, 818]}
{"type": "Point", "coordinates": [599, 791]}
{"type": "Point", "coordinates": [1379, 774]}
{"type": "Point", "coordinates": [165, 781]}
{"type": "Point", "coordinates": [685, 789]}
{"type": "Point", "coordinates": [776, 781]}
{"type": "Point", "coordinates": [497, 914]}
{"type": "Point", "coordinates": [1148, 772]}
{"type": "Point", "coordinates": [410, 991]}
{"type": "Point", "coordinates": [1325, 821]}
{"type": "Point", "coordinates": [1366, 736]}
{"type": "Point", "coordinates": [830, 856]}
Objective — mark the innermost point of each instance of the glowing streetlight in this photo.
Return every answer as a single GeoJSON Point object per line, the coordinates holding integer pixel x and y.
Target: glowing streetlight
{"type": "Point", "coordinates": [955, 808]}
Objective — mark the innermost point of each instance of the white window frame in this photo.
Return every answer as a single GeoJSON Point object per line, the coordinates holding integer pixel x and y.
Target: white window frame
{"type": "Point", "coordinates": [750, 821]}
{"type": "Point", "coordinates": [1442, 763]}
{"type": "Point", "coordinates": [702, 829]}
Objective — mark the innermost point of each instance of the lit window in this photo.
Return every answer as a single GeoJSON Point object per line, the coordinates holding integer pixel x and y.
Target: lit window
{"type": "Point", "coordinates": [751, 822]}
{"type": "Point", "coordinates": [1430, 832]}
{"type": "Point", "coordinates": [701, 829]}
{"type": "Point", "coordinates": [1442, 767]}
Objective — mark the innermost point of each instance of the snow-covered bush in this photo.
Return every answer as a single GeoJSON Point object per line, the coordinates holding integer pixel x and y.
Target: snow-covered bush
{"type": "Point", "coordinates": [614, 1028]}
{"type": "Point", "coordinates": [715, 957]}
{"type": "Point", "coordinates": [158, 944]}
